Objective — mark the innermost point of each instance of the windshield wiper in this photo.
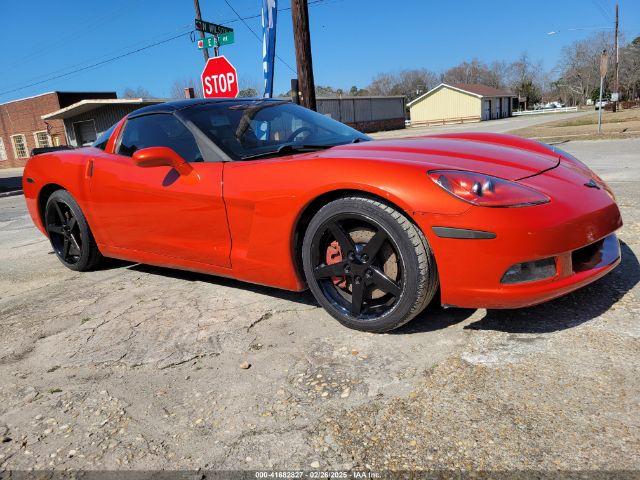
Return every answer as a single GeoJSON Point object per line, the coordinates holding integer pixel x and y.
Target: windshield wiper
{"type": "Point", "coordinates": [289, 149]}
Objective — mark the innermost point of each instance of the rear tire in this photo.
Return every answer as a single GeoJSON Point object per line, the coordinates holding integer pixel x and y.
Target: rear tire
{"type": "Point", "coordinates": [69, 233]}
{"type": "Point", "coordinates": [368, 265]}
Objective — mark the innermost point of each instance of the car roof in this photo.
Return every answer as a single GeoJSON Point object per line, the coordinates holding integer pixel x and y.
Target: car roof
{"type": "Point", "coordinates": [170, 107]}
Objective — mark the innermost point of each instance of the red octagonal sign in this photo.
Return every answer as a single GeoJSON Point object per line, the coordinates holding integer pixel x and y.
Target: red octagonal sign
{"type": "Point", "coordinates": [219, 79]}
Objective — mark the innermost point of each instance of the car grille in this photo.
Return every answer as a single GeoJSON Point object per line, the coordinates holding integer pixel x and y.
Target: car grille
{"type": "Point", "coordinates": [603, 252]}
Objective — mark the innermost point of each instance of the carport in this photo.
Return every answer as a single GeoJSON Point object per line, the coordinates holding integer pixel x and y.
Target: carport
{"type": "Point", "coordinates": [86, 120]}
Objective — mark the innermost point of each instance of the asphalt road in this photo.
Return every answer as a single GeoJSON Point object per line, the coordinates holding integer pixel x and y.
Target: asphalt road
{"type": "Point", "coordinates": [139, 367]}
{"type": "Point", "coordinates": [495, 126]}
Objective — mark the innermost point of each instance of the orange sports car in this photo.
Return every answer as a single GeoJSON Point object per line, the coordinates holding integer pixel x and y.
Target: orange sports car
{"type": "Point", "coordinates": [269, 192]}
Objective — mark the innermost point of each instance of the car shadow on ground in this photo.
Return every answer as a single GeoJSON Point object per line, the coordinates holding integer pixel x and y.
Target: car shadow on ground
{"type": "Point", "coordinates": [571, 310]}
{"type": "Point", "coordinates": [434, 318]}
{"type": "Point", "coordinates": [304, 298]}
{"type": "Point", "coordinates": [566, 312]}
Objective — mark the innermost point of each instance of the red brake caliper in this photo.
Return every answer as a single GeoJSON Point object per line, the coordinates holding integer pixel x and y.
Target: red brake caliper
{"type": "Point", "coordinates": [334, 255]}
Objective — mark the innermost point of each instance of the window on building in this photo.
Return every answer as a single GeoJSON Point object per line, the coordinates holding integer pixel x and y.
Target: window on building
{"type": "Point", "coordinates": [20, 146]}
{"type": "Point", "coordinates": [3, 151]}
{"type": "Point", "coordinates": [41, 139]}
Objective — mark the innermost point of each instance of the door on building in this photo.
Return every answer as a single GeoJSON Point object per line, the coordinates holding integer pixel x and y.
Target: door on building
{"type": "Point", "coordinates": [486, 114]}
{"type": "Point", "coordinates": [156, 209]}
{"type": "Point", "coordinates": [85, 132]}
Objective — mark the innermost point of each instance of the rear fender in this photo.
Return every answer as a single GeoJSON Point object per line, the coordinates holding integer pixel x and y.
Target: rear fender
{"type": "Point", "coordinates": [48, 172]}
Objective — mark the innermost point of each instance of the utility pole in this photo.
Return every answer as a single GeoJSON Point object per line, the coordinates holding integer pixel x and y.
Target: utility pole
{"type": "Point", "coordinates": [205, 51]}
{"type": "Point", "coordinates": [616, 84]}
{"type": "Point", "coordinates": [302, 39]}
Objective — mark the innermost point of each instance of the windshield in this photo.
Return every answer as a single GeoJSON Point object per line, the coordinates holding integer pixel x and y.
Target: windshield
{"type": "Point", "coordinates": [263, 128]}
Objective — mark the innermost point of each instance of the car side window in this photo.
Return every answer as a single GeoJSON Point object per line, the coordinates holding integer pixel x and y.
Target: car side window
{"type": "Point", "coordinates": [103, 139]}
{"type": "Point", "coordinates": [159, 130]}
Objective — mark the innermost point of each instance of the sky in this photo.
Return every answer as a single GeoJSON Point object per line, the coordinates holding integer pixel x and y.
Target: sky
{"type": "Point", "coordinates": [352, 40]}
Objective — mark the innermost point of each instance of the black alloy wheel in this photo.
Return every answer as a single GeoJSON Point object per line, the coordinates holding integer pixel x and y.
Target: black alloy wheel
{"type": "Point", "coordinates": [367, 264]}
{"type": "Point", "coordinates": [64, 232]}
{"type": "Point", "coordinates": [69, 232]}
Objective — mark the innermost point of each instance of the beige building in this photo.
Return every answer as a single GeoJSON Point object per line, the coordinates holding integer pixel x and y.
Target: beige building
{"type": "Point", "coordinates": [460, 102]}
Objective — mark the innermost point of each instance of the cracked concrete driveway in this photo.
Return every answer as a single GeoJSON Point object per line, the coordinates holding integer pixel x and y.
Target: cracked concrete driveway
{"type": "Point", "coordinates": [139, 367]}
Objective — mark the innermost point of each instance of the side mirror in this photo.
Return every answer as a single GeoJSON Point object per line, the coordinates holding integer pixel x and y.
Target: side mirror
{"type": "Point", "coordinates": [161, 157]}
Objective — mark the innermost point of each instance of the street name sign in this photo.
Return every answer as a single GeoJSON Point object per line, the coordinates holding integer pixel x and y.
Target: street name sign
{"type": "Point", "coordinates": [210, 42]}
{"type": "Point", "coordinates": [212, 28]}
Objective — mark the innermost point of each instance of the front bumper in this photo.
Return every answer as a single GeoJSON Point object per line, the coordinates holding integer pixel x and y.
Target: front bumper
{"type": "Point", "coordinates": [578, 235]}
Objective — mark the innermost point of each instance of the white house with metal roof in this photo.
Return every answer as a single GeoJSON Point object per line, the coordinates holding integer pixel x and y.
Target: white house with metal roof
{"type": "Point", "coordinates": [459, 103]}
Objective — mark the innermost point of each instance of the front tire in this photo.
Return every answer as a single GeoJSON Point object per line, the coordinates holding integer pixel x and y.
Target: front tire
{"type": "Point", "coordinates": [69, 233]}
{"type": "Point", "coordinates": [367, 264]}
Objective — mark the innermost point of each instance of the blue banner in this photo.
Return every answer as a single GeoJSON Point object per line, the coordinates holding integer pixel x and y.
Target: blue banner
{"type": "Point", "coordinates": [269, 17]}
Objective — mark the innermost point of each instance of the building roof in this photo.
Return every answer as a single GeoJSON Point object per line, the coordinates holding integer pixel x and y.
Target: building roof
{"type": "Point", "coordinates": [91, 104]}
{"type": "Point", "coordinates": [54, 91]}
{"type": "Point", "coordinates": [474, 89]}
{"type": "Point", "coordinates": [482, 90]}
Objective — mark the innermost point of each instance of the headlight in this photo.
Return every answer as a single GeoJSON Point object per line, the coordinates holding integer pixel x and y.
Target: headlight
{"type": "Point", "coordinates": [485, 190]}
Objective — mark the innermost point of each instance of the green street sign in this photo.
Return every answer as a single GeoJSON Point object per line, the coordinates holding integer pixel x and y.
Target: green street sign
{"type": "Point", "coordinates": [210, 42]}
{"type": "Point", "coordinates": [226, 38]}
{"type": "Point", "coordinates": [207, 42]}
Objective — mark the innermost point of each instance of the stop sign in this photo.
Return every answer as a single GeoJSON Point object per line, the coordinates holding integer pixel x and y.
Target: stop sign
{"type": "Point", "coordinates": [219, 79]}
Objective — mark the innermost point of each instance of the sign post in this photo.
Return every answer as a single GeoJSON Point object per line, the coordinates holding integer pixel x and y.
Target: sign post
{"type": "Point", "coordinates": [219, 79]}
{"type": "Point", "coordinates": [604, 62]}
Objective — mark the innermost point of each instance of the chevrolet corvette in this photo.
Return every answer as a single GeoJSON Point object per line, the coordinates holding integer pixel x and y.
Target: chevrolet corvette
{"type": "Point", "coordinates": [268, 192]}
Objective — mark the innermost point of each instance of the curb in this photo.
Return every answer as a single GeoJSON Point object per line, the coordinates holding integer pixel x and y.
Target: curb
{"type": "Point", "coordinates": [11, 194]}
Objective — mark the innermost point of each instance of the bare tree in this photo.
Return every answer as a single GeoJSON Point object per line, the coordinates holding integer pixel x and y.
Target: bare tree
{"type": "Point", "coordinates": [250, 87]}
{"type": "Point", "coordinates": [579, 65]}
{"type": "Point", "coordinates": [178, 87]}
{"type": "Point", "coordinates": [630, 69]}
{"type": "Point", "coordinates": [410, 83]}
{"type": "Point", "coordinates": [382, 84]}
{"type": "Point", "coordinates": [475, 71]}
{"type": "Point", "coordinates": [525, 79]}
{"type": "Point", "coordinates": [413, 83]}
{"type": "Point", "coordinates": [139, 92]}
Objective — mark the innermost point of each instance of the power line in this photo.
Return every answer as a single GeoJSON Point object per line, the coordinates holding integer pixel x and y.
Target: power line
{"type": "Point", "coordinates": [107, 55]}
{"type": "Point", "coordinates": [255, 34]}
{"type": "Point", "coordinates": [146, 47]}
{"type": "Point", "coordinates": [252, 17]}
{"type": "Point", "coordinates": [602, 10]}
{"type": "Point", "coordinates": [96, 64]}
{"type": "Point", "coordinates": [89, 25]}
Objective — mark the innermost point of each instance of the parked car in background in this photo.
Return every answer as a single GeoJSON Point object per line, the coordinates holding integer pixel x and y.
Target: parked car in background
{"type": "Point", "coordinates": [601, 104]}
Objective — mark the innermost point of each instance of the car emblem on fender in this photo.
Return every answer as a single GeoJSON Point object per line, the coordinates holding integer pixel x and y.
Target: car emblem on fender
{"type": "Point", "coordinates": [592, 184]}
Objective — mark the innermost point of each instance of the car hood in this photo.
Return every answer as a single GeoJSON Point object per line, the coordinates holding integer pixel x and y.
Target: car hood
{"type": "Point", "coordinates": [499, 160]}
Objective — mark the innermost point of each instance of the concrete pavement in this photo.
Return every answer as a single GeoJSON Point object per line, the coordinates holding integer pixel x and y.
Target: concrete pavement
{"type": "Point", "coordinates": [138, 367]}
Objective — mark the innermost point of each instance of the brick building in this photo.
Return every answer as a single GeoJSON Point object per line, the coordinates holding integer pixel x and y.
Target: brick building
{"type": "Point", "coordinates": [22, 128]}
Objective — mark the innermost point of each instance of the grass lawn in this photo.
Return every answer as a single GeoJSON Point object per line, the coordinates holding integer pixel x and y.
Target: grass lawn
{"type": "Point", "coordinates": [622, 124]}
